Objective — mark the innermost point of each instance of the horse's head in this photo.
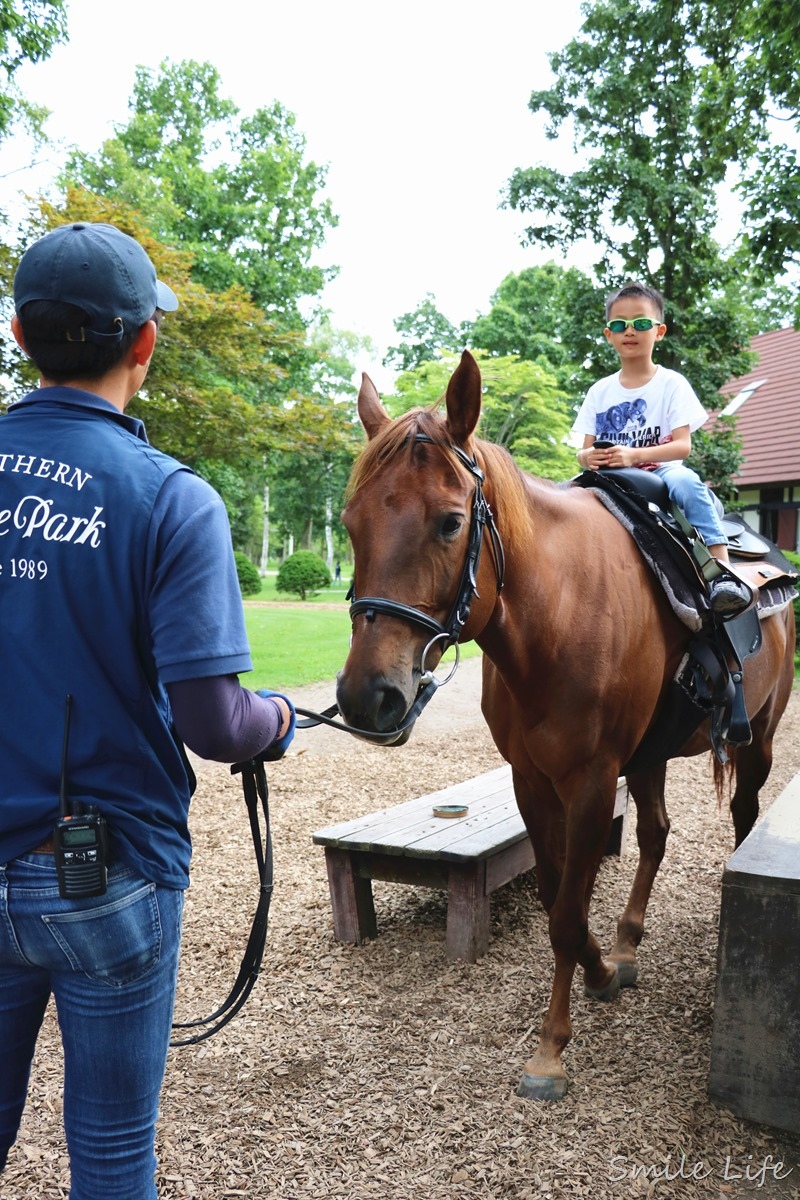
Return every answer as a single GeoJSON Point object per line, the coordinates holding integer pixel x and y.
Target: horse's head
{"type": "Point", "coordinates": [410, 516]}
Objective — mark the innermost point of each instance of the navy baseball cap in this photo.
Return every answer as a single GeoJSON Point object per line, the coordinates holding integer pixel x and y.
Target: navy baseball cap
{"type": "Point", "coordinates": [97, 268]}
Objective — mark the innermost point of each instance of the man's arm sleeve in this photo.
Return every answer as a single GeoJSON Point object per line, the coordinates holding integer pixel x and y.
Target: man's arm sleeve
{"type": "Point", "coordinates": [220, 720]}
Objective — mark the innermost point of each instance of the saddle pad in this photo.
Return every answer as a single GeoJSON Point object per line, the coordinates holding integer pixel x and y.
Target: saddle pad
{"type": "Point", "coordinates": [772, 576]}
{"type": "Point", "coordinates": [677, 573]}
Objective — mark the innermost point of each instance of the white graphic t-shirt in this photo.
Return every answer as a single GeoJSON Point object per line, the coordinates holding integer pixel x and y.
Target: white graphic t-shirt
{"type": "Point", "coordinates": [643, 416]}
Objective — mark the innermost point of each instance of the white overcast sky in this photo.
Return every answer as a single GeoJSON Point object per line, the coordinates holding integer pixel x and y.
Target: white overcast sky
{"type": "Point", "coordinates": [419, 109]}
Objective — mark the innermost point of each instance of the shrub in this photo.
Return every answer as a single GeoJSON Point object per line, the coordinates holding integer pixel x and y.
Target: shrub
{"type": "Point", "coordinates": [249, 578]}
{"type": "Point", "coordinates": [303, 574]}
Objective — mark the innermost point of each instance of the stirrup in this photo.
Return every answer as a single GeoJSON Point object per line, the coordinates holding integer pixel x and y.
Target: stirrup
{"type": "Point", "coordinates": [729, 596]}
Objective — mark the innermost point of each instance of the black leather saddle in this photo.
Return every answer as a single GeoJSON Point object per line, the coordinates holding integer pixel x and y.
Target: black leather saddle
{"type": "Point", "coordinates": [743, 542]}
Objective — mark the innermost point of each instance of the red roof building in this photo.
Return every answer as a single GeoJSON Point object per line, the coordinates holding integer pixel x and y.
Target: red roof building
{"type": "Point", "coordinates": [767, 407]}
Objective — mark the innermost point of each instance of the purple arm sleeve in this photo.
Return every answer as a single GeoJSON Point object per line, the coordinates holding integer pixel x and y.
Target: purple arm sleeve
{"type": "Point", "coordinates": [219, 719]}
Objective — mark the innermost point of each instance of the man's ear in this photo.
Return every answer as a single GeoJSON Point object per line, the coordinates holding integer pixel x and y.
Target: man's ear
{"type": "Point", "coordinates": [145, 343]}
{"type": "Point", "coordinates": [16, 329]}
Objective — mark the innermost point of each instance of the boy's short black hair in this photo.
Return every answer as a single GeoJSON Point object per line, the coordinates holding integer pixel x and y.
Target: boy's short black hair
{"type": "Point", "coordinates": [641, 290]}
{"type": "Point", "coordinates": [53, 333]}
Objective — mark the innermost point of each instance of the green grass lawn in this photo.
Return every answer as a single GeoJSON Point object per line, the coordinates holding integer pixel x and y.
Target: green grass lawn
{"type": "Point", "coordinates": [302, 644]}
{"type": "Point", "coordinates": [293, 646]}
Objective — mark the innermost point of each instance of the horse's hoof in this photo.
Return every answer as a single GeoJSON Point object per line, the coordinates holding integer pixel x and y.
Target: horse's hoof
{"type": "Point", "coordinates": [542, 1087]}
{"type": "Point", "coordinates": [609, 992]}
{"type": "Point", "coordinates": [627, 972]}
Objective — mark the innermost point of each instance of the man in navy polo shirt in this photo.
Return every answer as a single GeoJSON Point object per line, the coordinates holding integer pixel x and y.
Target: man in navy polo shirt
{"type": "Point", "coordinates": [122, 638]}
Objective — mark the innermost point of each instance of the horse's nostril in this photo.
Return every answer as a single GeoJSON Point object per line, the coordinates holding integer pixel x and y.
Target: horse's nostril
{"type": "Point", "coordinates": [391, 708]}
{"type": "Point", "coordinates": [378, 707]}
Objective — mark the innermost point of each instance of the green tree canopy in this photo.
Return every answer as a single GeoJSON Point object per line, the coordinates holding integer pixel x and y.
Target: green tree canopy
{"type": "Point", "coordinates": [770, 33]}
{"type": "Point", "coordinates": [523, 408]}
{"type": "Point", "coordinates": [236, 192]}
{"type": "Point", "coordinates": [207, 391]}
{"type": "Point", "coordinates": [661, 106]}
{"type": "Point", "coordinates": [549, 315]}
{"type": "Point", "coordinates": [29, 31]}
{"type": "Point", "coordinates": [425, 333]}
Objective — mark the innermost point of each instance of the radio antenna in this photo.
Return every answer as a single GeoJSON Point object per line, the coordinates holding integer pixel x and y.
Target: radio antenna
{"type": "Point", "coordinates": [63, 802]}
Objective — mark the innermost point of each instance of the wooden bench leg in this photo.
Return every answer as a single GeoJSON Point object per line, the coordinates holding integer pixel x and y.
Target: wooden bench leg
{"type": "Point", "coordinates": [351, 898]}
{"type": "Point", "coordinates": [467, 912]}
{"type": "Point", "coordinates": [618, 836]}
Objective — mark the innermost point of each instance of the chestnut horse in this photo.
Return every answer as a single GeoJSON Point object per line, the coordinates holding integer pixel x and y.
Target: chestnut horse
{"type": "Point", "coordinates": [578, 645]}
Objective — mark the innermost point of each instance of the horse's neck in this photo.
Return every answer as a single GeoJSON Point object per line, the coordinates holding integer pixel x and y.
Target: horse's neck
{"type": "Point", "coordinates": [574, 578]}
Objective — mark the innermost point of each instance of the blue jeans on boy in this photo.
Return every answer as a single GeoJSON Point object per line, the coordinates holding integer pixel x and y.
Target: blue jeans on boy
{"type": "Point", "coordinates": [111, 964]}
{"type": "Point", "coordinates": [687, 490]}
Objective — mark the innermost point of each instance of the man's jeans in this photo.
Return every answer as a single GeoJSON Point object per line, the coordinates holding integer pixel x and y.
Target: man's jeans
{"type": "Point", "coordinates": [111, 963]}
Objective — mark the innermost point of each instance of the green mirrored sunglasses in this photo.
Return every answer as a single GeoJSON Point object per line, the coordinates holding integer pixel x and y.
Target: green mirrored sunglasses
{"type": "Point", "coordinates": [640, 324]}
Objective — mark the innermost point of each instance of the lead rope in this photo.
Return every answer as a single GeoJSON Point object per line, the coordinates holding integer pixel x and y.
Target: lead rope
{"type": "Point", "coordinates": [254, 785]}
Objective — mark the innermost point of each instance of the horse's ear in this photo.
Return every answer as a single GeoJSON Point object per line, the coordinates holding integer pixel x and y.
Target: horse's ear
{"type": "Point", "coordinates": [463, 399]}
{"type": "Point", "coordinates": [371, 412]}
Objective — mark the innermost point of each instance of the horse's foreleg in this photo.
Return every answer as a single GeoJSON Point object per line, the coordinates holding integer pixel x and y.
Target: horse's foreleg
{"type": "Point", "coordinates": [544, 1077]}
{"type": "Point", "coordinates": [652, 827]}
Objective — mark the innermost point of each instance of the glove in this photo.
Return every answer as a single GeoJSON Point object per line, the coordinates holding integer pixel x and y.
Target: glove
{"type": "Point", "coordinates": [278, 748]}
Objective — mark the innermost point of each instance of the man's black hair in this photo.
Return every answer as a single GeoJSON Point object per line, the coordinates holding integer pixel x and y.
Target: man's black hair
{"type": "Point", "coordinates": [637, 290]}
{"type": "Point", "coordinates": [53, 339]}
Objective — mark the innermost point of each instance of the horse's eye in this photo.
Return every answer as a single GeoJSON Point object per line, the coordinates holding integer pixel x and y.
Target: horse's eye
{"type": "Point", "coordinates": [450, 525]}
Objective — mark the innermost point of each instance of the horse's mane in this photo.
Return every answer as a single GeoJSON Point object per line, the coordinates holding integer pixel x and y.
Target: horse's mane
{"type": "Point", "coordinates": [397, 439]}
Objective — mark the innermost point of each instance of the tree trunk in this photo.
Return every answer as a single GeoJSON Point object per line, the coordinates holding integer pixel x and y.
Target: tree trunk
{"type": "Point", "coordinates": [265, 534]}
{"type": "Point", "coordinates": [329, 531]}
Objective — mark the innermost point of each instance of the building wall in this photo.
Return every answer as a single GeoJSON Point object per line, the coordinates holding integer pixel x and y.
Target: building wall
{"type": "Point", "coordinates": [773, 512]}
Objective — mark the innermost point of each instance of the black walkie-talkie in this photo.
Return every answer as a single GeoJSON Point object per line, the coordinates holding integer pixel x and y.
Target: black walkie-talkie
{"type": "Point", "coordinates": [80, 840]}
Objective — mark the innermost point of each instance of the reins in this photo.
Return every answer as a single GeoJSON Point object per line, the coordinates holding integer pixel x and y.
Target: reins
{"type": "Point", "coordinates": [428, 687]}
{"type": "Point", "coordinates": [254, 785]}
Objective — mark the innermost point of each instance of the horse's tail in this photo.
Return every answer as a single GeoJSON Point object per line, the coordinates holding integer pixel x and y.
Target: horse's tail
{"type": "Point", "coordinates": [723, 778]}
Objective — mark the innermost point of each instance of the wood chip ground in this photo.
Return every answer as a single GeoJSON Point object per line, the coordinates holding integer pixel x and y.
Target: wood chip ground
{"type": "Point", "coordinates": [385, 1071]}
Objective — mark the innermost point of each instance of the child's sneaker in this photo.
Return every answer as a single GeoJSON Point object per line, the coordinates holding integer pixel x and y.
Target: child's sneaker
{"type": "Point", "coordinates": [729, 596]}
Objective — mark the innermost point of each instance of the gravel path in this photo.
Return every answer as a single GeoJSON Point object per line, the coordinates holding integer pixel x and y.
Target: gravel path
{"type": "Point", "coordinates": [385, 1070]}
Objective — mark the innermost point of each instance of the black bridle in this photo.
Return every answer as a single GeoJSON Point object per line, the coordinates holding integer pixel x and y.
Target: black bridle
{"type": "Point", "coordinates": [482, 517]}
{"type": "Point", "coordinates": [448, 632]}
